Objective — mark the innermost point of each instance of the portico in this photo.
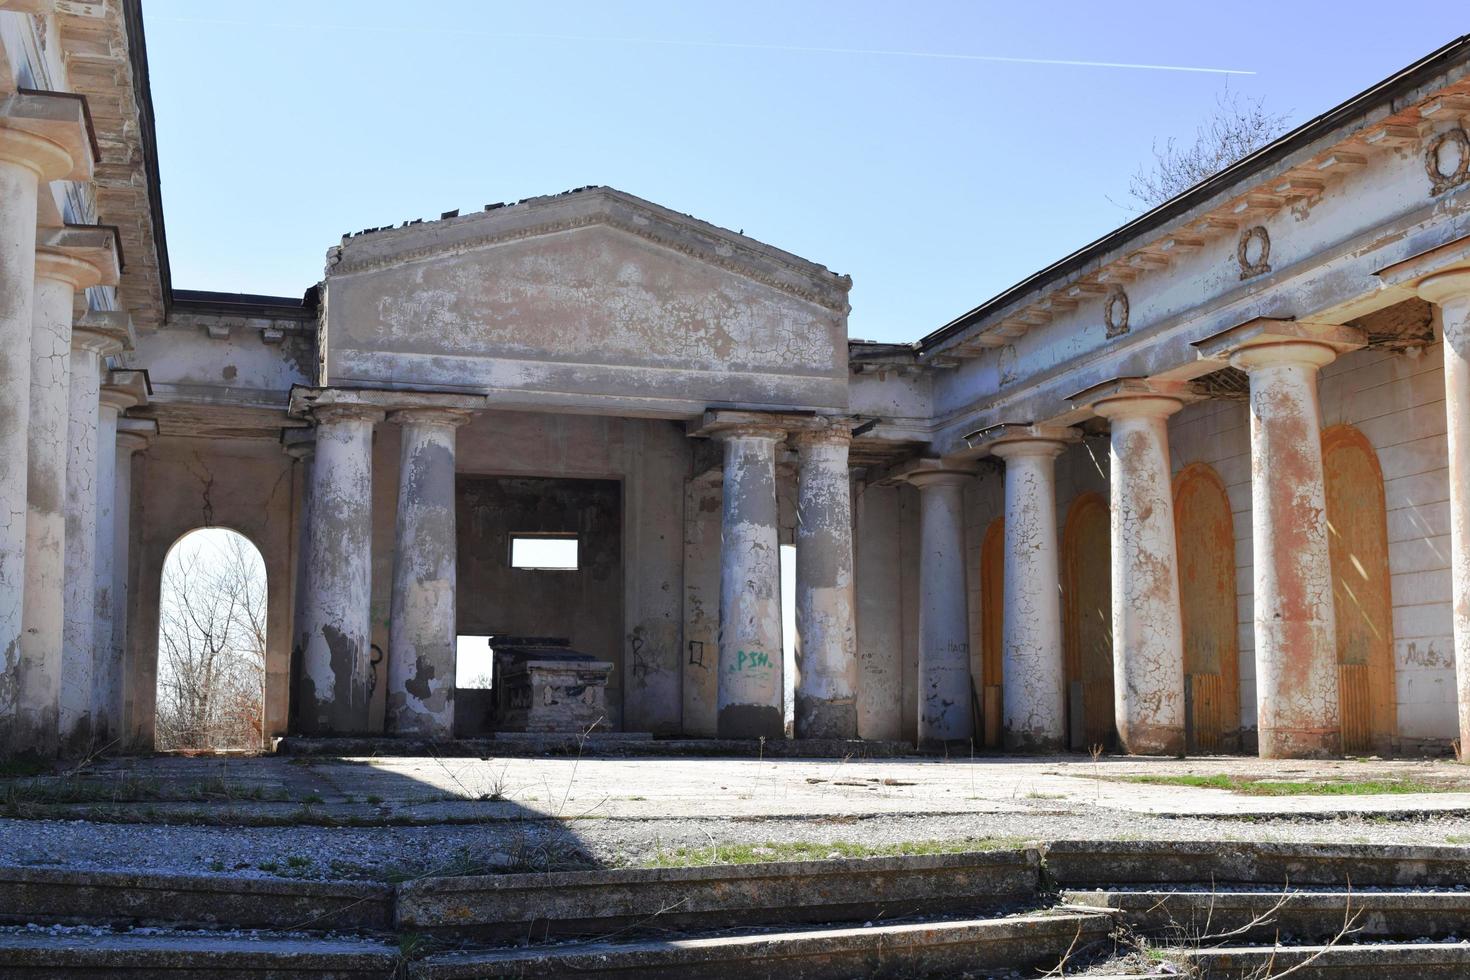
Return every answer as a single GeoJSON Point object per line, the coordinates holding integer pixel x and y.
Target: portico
{"type": "Point", "coordinates": [1198, 487]}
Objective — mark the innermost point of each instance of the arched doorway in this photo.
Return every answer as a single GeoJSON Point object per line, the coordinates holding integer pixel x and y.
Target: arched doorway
{"type": "Point", "coordinates": [1205, 533]}
{"type": "Point", "coordinates": [1087, 589]}
{"type": "Point", "coordinates": [992, 630]}
{"type": "Point", "coordinates": [1357, 524]}
{"type": "Point", "coordinates": [211, 644]}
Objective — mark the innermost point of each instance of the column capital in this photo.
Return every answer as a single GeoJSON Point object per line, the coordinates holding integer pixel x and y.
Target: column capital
{"type": "Point", "coordinates": [332, 414]}
{"type": "Point", "coordinates": [828, 432]}
{"type": "Point", "coordinates": [50, 132]}
{"type": "Point", "coordinates": [1010, 439]}
{"type": "Point", "coordinates": [298, 442]}
{"type": "Point", "coordinates": [135, 435]}
{"type": "Point", "coordinates": [929, 472]}
{"type": "Point", "coordinates": [1294, 337]}
{"type": "Point", "coordinates": [311, 402]}
{"type": "Point", "coordinates": [1447, 286]}
{"type": "Point", "coordinates": [125, 389]}
{"type": "Point", "coordinates": [103, 332]}
{"type": "Point", "coordinates": [82, 255]}
{"type": "Point", "coordinates": [429, 415]}
{"type": "Point", "coordinates": [1135, 398]}
{"type": "Point", "coordinates": [1302, 353]}
{"type": "Point", "coordinates": [723, 424]}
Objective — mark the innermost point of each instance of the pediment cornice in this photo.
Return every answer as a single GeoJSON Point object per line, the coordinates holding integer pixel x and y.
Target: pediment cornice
{"type": "Point", "coordinates": [599, 206]}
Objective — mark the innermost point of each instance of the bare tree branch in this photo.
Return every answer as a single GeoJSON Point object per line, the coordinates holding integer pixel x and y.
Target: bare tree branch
{"type": "Point", "coordinates": [1236, 128]}
{"type": "Point", "coordinates": [211, 664]}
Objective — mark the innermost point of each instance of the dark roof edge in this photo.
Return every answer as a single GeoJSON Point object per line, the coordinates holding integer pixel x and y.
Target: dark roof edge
{"type": "Point", "coordinates": [1404, 80]}
{"type": "Point", "coordinates": [132, 11]}
{"type": "Point", "coordinates": [245, 304]}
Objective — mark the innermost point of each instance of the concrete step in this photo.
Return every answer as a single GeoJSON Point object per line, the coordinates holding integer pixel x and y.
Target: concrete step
{"type": "Point", "coordinates": [1102, 864]}
{"type": "Point", "coordinates": [1387, 961]}
{"type": "Point", "coordinates": [1204, 915]}
{"type": "Point", "coordinates": [580, 903]}
{"type": "Point", "coordinates": [43, 895]}
{"type": "Point", "coordinates": [930, 949]}
{"type": "Point", "coordinates": [68, 954]}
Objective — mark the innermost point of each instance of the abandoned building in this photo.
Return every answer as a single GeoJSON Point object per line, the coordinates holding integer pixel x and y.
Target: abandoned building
{"type": "Point", "coordinates": [1200, 486]}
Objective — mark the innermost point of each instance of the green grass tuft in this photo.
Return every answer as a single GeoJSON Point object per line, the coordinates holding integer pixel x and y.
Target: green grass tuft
{"type": "Point", "coordinates": [1257, 786]}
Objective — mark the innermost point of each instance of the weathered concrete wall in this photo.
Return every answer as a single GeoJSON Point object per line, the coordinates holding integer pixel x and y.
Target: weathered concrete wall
{"type": "Point", "coordinates": [878, 548]}
{"type": "Point", "coordinates": [702, 531]}
{"type": "Point", "coordinates": [180, 485]}
{"type": "Point", "coordinates": [593, 301]}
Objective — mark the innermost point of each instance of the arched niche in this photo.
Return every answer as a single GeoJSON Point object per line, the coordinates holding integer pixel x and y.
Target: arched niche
{"type": "Point", "coordinates": [1087, 596]}
{"type": "Point", "coordinates": [1357, 523]}
{"type": "Point", "coordinates": [1206, 545]}
{"type": "Point", "coordinates": [992, 630]}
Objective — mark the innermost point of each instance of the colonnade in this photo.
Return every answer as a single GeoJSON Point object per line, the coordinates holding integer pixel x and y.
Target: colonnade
{"type": "Point", "coordinates": [1295, 645]}
{"type": "Point", "coordinates": [61, 461]}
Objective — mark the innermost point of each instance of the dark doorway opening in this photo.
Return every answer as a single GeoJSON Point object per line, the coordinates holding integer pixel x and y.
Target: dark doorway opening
{"type": "Point", "coordinates": [516, 577]}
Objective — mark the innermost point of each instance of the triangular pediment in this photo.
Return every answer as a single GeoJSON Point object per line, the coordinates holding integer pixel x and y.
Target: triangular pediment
{"type": "Point", "coordinates": [589, 207]}
{"type": "Point", "coordinates": [593, 300]}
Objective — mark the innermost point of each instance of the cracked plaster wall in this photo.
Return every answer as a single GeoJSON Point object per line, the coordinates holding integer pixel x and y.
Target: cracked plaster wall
{"type": "Point", "coordinates": [518, 319]}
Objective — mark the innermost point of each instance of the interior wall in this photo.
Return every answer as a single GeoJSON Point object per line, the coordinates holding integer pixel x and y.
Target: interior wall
{"type": "Point", "coordinates": [585, 604]}
{"type": "Point", "coordinates": [651, 459]}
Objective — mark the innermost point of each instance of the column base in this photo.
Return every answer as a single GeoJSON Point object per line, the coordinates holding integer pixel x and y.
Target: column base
{"type": "Point", "coordinates": [1286, 743]}
{"type": "Point", "coordinates": [751, 721]}
{"type": "Point", "coordinates": [1034, 743]}
{"type": "Point", "coordinates": [1153, 740]}
{"type": "Point", "coordinates": [817, 718]}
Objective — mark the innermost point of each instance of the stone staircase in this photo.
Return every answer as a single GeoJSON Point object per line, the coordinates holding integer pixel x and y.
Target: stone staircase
{"type": "Point", "coordinates": [1259, 910]}
{"type": "Point", "coordinates": [1210, 909]}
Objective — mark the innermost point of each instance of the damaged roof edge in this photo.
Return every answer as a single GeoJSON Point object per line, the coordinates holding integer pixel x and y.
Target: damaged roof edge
{"type": "Point", "coordinates": [132, 12]}
{"type": "Point", "coordinates": [1359, 105]}
{"type": "Point", "coordinates": [245, 304]}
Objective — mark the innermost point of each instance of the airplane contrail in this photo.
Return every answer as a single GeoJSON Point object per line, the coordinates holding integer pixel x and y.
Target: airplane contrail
{"type": "Point", "coordinates": [734, 45]}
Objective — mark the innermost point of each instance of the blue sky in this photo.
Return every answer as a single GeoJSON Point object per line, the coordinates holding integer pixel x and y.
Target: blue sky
{"type": "Point", "coordinates": [844, 132]}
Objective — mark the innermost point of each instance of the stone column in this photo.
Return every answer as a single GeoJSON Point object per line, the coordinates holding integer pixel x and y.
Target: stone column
{"type": "Point", "coordinates": [944, 621]}
{"type": "Point", "coordinates": [95, 336]}
{"type": "Point", "coordinates": [335, 630]}
{"type": "Point", "coordinates": [26, 161]}
{"type": "Point", "coordinates": [422, 631]}
{"type": "Point", "coordinates": [113, 400]}
{"type": "Point", "coordinates": [1451, 290]}
{"type": "Point", "coordinates": [1035, 677]}
{"type": "Point", "coordinates": [58, 278]}
{"type": "Point", "coordinates": [1295, 630]}
{"type": "Point", "coordinates": [751, 692]}
{"type": "Point", "coordinates": [1148, 631]}
{"type": "Point", "coordinates": [826, 638]}
{"type": "Point", "coordinates": [133, 436]}
{"type": "Point", "coordinates": [300, 445]}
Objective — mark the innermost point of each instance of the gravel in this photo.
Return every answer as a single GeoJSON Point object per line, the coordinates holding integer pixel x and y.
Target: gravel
{"type": "Point", "coordinates": [314, 852]}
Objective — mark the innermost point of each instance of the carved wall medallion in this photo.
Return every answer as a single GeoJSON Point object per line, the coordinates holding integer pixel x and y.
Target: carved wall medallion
{"type": "Point", "coordinates": [1447, 160]}
{"type": "Point", "coordinates": [1007, 359]}
{"type": "Point", "coordinates": [1115, 312]}
{"type": "Point", "coordinates": [1254, 252]}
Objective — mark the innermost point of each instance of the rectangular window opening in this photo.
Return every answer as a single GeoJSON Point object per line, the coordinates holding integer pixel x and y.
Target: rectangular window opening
{"type": "Point", "coordinates": [545, 552]}
{"type": "Point", "coordinates": [473, 662]}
